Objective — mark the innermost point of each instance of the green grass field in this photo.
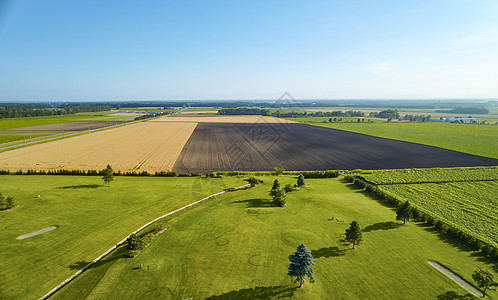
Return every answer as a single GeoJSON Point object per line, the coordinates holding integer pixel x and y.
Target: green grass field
{"type": "Point", "coordinates": [33, 121]}
{"type": "Point", "coordinates": [472, 205]}
{"type": "Point", "coordinates": [474, 139]}
{"type": "Point", "coordinates": [430, 175]}
{"type": "Point", "coordinates": [237, 247]}
{"type": "Point", "coordinates": [91, 219]}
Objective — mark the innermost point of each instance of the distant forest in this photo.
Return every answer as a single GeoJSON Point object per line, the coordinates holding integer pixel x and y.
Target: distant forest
{"type": "Point", "coordinates": [16, 110]}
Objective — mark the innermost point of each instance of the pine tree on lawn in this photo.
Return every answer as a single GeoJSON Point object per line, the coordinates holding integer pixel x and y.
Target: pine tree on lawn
{"type": "Point", "coordinates": [404, 212]}
{"type": "Point", "coordinates": [300, 180]}
{"type": "Point", "coordinates": [280, 197]}
{"type": "Point", "coordinates": [353, 234]}
{"type": "Point", "coordinates": [300, 266]}
{"type": "Point", "coordinates": [275, 188]}
{"type": "Point", "coordinates": [108, 175]}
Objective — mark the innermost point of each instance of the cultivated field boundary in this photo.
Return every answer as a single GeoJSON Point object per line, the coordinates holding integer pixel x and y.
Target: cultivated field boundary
{"type": "Point", "coordinates": [456, 278]}
{"type": "Point", "coordinates": [72, 277]}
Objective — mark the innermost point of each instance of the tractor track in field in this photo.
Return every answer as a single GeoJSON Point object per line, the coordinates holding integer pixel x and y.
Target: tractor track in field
{"type": "Point", "coordinates": [110, 250]}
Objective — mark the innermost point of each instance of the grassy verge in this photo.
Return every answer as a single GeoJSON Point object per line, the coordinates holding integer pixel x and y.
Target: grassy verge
{"type": "Point", "coordinates": [238, 247]}
{"type": "Point", "coordinates": [90, 219]}
{"type": "Point", "coordinates": [474, 139]}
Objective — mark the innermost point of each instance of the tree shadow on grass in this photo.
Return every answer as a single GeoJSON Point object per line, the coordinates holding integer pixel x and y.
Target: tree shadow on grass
{"type": "Point", "coordinates": [257, 202]}
{"type": "Point", "coordinates": [445, 238]}
{"type": "Point", "coordinates": [259, 292]}
{"type": "Point", "coordinates": [78, 265]}
{"type": "Point", "coordinates": [355, 188]}
{"type": "Point", "coordinates": [328, 252]}
{"type": "Point", "coordinates": [490, 263]}
{"type": "Point", "coordinates": [451, 295]}
{"type": "Point", "coordinates": [118, 253]}
{"type": "Point", "coordinates": [81, 186]}
{"type": "Point", "coordinates": [382, 226]}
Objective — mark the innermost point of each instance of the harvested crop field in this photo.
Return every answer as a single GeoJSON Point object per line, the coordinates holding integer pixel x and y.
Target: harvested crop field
{"type": "Point", "coordinates": [263, 146]}
{"type": "Point", "coordinates": [222, 119]}
{"type": "Point", "coordinates": [71, 126]}
{"type": "Point", "coordinates": [145, 146]}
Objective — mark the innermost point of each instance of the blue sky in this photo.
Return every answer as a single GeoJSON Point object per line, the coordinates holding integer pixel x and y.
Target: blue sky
{"type": "Point", "coordinates": [166, 50]}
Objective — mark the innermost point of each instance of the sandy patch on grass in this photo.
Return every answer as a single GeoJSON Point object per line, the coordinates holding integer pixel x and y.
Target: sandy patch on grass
{"type": "Point", "coordinates": [28, 235]}
{"type": "Point", "coordinates": [456, 278]}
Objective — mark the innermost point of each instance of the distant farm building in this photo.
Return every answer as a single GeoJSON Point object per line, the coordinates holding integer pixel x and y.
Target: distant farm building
{"type": "Point", "coordinates": [455, 120]}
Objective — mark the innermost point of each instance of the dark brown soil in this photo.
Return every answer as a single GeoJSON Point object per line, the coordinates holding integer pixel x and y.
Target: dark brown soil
{"type": "Point", "coordinates": [261, 147]}
{"type": "Point", "coordinates": [70, 126]}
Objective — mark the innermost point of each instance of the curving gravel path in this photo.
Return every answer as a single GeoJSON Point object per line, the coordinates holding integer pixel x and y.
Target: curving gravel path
{"type": "Point", "coordinates": [456, 278]}
{"type": "Point", "coordinates": [55, 289]}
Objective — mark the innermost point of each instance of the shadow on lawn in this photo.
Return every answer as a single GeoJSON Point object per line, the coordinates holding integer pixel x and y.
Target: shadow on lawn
{"type": "Point", "coordinates": [81, 186]}
{"type": "Point", "coordinates": [451, 295]}
{"type": "Point", "coordinates": [259, 292]}
{"type": "Point", "coordinates": [328, 252]}
{"type": "Point", "coordinates": [78, 265]}
{"type": "Point", "coordinates": [118, 253]}
{"type": "Point", "coordinates": [257, 202]}
{"type": "Point", "coordinates": [382, 226]}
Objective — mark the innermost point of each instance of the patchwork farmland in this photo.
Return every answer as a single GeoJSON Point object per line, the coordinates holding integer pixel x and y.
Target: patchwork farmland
{"type": "Point", "coordinates": [144, 146]}
{"type": "Point", "coordinates": [263, 146]}
{"type": "Point", "coordinates": [227, 143]}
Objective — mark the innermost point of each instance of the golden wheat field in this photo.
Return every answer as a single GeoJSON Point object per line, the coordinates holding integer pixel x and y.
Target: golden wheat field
{"type": "Point", "coordinates": [145, 146]}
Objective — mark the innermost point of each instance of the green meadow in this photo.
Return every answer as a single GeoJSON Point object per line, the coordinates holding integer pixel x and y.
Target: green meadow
{"type": "Point", "coordinates": [90, 217]}
{"type": "Point", "coordinates": [474, 139]}
{"type": "Point", "coordinates": [237, 247]}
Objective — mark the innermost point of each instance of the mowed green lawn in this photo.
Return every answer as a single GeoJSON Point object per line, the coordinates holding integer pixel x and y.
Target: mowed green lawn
{"type": "Point", "coordinates": [91, 219]}
{"type": "Point", "coordinates": [238, 247]}
{"type": "Point", "coordinates": [474, 139]}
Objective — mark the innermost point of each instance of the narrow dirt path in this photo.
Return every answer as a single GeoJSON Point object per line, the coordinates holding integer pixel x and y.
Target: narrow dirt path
{"type": "Point", "coordinates": [456, 278]}
{"type": "Point", "coordinates": [55, 289]}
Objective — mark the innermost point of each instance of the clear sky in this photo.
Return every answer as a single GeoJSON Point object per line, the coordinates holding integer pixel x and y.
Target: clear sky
{"type": "Point", "coordinates": [62, 50]}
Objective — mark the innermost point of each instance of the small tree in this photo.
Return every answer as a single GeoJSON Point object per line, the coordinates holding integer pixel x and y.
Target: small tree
{"type": "Point", "coordinates": [279, 170]}
{"type": "Point", "coordinates": [485, 280]}
{"type": "Point", "coordinates": [3, 203]}
{"type": "Point", "coordinates": [300, 266]}
{"type": "Point", "coordinates": [280, 197]}
{"type": "Point", "coordinates": [253, 181]}
{"type": "Point", "coordinates": [404, 212]}
{"type": "Point", "coordinates": [353, 234]}
{"type": "Point", "coordinates": [108, 175]}
{"type": "Point", "coordinates": [10, 202]}
{"type": "Point", "coordinates": [300, 180]}
{"type": "Point", "coordinates": [134, 242]}
{"type": "Point", "coordinates": [274, 188]}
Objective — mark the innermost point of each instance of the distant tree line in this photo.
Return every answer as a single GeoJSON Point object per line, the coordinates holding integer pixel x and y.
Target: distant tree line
{"type": "Point", "coordinates": [147, 116]}
{"type": "Point", "coordinates": [465, 110]}
{"type": "Point", "coordinates": [386, 114]}
{"type": "Point", "coordinates": [16, 110]}
{"type": "Point", "coordinates": [292, 114]}
{"type": "Point", "coordinates": [413, 118]}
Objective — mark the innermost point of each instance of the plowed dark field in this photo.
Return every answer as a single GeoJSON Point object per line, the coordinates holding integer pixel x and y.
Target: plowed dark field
{"type": "Point", "coordinates": [261, 147]}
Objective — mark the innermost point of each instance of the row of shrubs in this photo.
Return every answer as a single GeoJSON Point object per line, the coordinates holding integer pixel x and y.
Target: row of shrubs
{"type": "Point", "coordinates": [445, 226]}
{"type": "Point", "coordinates": [95, 173]}
{"type": "Point", "coordinates": [306, 174]}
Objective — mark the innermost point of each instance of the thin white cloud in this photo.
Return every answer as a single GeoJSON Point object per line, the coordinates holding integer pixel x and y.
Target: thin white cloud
{"type": "Point", "coordinates": [379, 68]}
{"type": "Point", "coordinates": [482, 38]}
